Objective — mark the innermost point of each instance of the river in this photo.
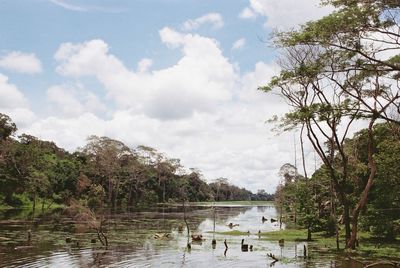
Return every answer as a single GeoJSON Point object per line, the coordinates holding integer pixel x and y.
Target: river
{"type": "Point", "coordinates": [132, 243]}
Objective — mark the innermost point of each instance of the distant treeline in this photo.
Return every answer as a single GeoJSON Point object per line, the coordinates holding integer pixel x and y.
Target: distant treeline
{"type": "Point", "coordinates": [105, 172]}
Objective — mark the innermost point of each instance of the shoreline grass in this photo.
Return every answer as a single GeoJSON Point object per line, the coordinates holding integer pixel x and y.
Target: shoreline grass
{"type": "Point", "coordinates": [368, 246]}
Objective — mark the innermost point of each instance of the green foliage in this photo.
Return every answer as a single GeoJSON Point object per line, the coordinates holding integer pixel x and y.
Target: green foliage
{"type": "Point", "coordinates": [7, 127]}
{"type": "Point", "coordinates": [95, 196]}
{"type": "Point", "coordinates": [334, 74]}
{"type": "Point", "coordinates": [105, 172]}
{"type": "Point", "coordinates": [224, 191]}
{"type": "Point", "coordinates": [383, 211]}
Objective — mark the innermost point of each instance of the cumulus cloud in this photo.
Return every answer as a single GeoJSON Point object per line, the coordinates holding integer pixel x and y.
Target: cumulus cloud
{"type": "Point", "coordinates": [10, 96]}
{"type": "Point", "coordinates": [73, 100]}
{"type": "Point", "coordinates": [199, 81]}
{"type": "Point", "coordinates": [247, 13]}
{"type": "Point", "coordinates": [21, 62]}
{"type": "Point", "coordinates": [215, 19]}
{"type": "Point", "coordinates": [285, 14]}
{"type": "Point", "coordinates": [144, 65]}
{"type": "Point", "coordinates": [238, 44]}
{"type": "Point", "coordinates": [14, 103]}
{"type": "Point", "coordinates": [69, 133]}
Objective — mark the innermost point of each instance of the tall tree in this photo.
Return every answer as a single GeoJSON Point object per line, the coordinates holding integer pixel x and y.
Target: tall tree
{"type": "Point", "coordinates": [105, 161]}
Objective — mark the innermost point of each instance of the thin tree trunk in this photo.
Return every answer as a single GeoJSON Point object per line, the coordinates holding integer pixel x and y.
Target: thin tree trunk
{"type": "Point", "coordinates": [364, 196]}
{"type": "Point", "coordinates": [334, 216]}
{"type": "Point", "coordinates": [187, 225]}
{"type": "Point", "coordinates": [328, 161]}
{"type": "Point", "coordinates": [306, 177]}
{"type": "Point", "coordinates": [302, 153]}
{"type": "Point", "coordinates": [130, 193]}
{"type": "Point", "coordinates": [116, 195]}
{"type": "Point", "coordinates": [34, 202]}
{"type": "Point", "coordinates": [164, 191]}
{"type": "Point", "coordinates": [110, 190]}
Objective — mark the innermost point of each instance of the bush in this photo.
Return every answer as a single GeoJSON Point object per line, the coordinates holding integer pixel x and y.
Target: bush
{"type": "Point", "coordinates": [149, 198]}
{"type": "Point", "coordinates": [95, 196]}
{"type": "Point", "coordinates": [329, 225]}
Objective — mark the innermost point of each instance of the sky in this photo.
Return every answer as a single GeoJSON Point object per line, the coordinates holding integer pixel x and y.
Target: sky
{"type": "Point", "coordinates": [177, 75]}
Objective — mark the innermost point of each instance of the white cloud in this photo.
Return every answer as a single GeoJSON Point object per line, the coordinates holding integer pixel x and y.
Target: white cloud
{"type": "Point", "coordinates": [68, 6]}
{"type": "Point", "coordinates": [238, 44]}
{"type": "Point", "coordinates": [285, 14]}
{"type": "Point", "coordinates": [68, 133]}
{"type": "Point", "coordinates": [10, 96]}
{"type": "Point", "coordinates": [21, 62]}
{"type": "Point", "coordinates": [73, 100]}
{"type": "Point", "coordinates": [215, 19]}
{"type": "Point", "coordinates": [201, 80]}
{"type": "Point", "coordinates": [84, 8]}
{"type": "Point", "coordinates": [14, 103]}
{"type": "Point", "coordinates": [247, 13]}
{"type": "Point", "coordinates": [144, 65]}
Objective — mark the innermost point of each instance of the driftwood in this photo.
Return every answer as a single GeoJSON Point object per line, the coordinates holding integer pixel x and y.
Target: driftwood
{"type": "Point", "coordinates": [23, 247]}
{"type": "Point", "coordinates": [86, 216]}
{"type": "Point", "coordinates": [197, 237]}
{"type": "Point", "coordinates": [272, 256]}
{"type": "Point", "coordinates": [231, 225]}
{"type": "Point", "coordinates": [375, 264]}
{"type": "Point", "coordinates": [382, 263]}
{"type": "Point", "coordinates": [244, 247]}
{"type": "Point", "coordinates": [189, 246]}
{"type": "Point", "coordinates": [162, 236]}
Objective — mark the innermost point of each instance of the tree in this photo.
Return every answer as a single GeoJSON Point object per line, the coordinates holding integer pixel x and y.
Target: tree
{"type": "Point", "coordinates": [7, 127]}
{"type": "Point", "coordinates": [105, 158]}
{"type": "Point", "coordinates": [383, 200]}
{"type": "Point", "coordinates": [288, 172]}
{"type": "Point", "coordinates": [355, 52]}
{"type": "Point", "coordinates": [320, 110]}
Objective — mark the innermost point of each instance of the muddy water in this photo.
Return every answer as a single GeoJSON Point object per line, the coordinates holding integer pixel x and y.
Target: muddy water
{"type": "Point", "coordinates": [132, 243]}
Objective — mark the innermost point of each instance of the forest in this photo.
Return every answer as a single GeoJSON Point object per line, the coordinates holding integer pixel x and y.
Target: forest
{"type": "Point", "coordinates": [104, 173]}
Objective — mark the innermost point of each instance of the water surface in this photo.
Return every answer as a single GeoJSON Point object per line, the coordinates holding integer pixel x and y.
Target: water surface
{"type": "Point", "coordinates": [132, 242]}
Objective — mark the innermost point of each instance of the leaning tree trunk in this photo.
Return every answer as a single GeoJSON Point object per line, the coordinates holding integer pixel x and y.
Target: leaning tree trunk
{"type": "Point", "coordinates": [364, 196]}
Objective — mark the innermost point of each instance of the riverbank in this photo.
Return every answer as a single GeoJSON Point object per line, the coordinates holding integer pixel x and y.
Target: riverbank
{"type": "Point", "coordinates": [233, 203]}
{"type": "Point", "coordinates": [368, 246]}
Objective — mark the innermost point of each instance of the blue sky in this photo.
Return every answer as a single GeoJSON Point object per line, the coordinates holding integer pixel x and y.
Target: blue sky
{"type": "Point", "coordinates": [180, 76]}
{"type": "Point", "coordinates": [130, 28]}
